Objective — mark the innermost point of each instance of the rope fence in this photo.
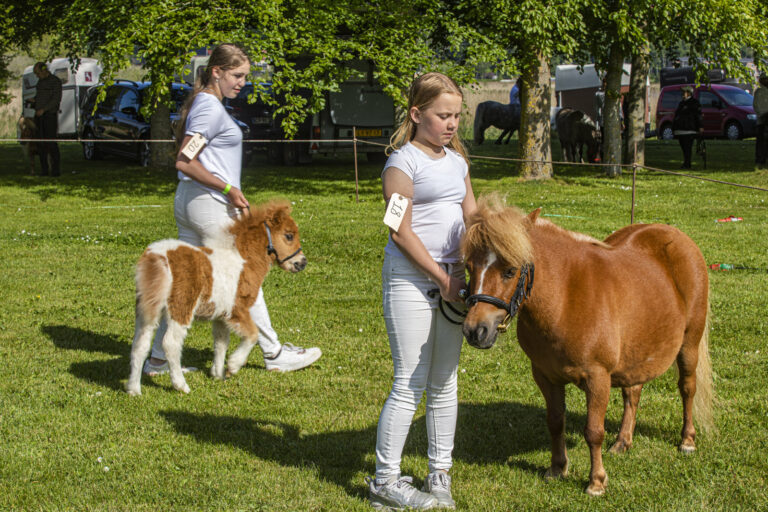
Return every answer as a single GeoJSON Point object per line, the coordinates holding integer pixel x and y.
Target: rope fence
{"type": "Point", "coordinates": [355, 141]}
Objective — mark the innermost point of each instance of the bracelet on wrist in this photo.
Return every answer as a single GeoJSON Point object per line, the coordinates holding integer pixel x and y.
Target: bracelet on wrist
{"type": "Point", "coordinates": [226, 189]}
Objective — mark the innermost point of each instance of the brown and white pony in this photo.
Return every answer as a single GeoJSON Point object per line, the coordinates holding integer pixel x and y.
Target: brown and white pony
{"type": "Point", "coordinates": [219, 281]}
{"type": "Point", "coordinates": [615, 313]}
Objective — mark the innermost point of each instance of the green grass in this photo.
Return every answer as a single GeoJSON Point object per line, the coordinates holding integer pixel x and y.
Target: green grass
{"type": "Point", "coordinates": [305, 441]}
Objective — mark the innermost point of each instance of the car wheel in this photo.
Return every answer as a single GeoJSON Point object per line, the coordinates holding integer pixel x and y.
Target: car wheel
{"type": "Point", "coordinates": [733, 131]}
{"type": "Point", "coordinates": [90, 151]}
{"type": "Point", "coordinates": [666, 132]}
{"type": "Point", "coordinates": [145, 154]}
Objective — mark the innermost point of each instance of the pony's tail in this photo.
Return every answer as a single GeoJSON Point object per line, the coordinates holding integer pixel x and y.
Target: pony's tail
{"type": "Point", "coordinates": [153, 286]}
{"type": "Point", "coordinates": [705, 393]}
{"type": "Point", "coordinates": [479, 128]}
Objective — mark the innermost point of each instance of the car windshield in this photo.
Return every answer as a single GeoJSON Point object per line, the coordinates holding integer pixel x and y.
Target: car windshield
{"type": "Point", "coordinates": [736, 97]}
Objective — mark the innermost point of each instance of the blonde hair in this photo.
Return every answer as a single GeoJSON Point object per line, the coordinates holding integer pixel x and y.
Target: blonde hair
{"type": "Point", "coordinates": [225, 56]}
{"type": "Point", "coordinates": [423, 92]}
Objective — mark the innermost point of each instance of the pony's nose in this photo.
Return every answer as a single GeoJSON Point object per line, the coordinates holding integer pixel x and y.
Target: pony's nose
{"type": "Point", "coordinates": [477, 336]}
{"type": "Point", "coordinates": [299, 265]}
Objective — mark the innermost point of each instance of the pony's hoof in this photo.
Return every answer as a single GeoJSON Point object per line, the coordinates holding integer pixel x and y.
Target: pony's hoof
{"type": "Point", "coordinates": [687, 449]}
{"type": "Point", "coordinates": [217, 375]}
{"type": "Point", "coordinates": [620, 447]}
{"type": "Point", "coordinates": [554, 473]}
{"type": "Point", "coordinates": [133, 391]}
{"type": "Point", "coordinates": [184, 388]}
{"type": "Point", "coordinates": [595, 490]}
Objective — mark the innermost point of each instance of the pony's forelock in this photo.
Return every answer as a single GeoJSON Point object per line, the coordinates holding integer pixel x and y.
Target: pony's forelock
{"type": "Point", "coordinates": [501, 229]}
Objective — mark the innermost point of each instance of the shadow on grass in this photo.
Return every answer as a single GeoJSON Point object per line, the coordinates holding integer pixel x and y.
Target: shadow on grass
{"type": "Point", "coordinates": [488, 434]}
{"type": "Point", "coordinates": [107, 373]}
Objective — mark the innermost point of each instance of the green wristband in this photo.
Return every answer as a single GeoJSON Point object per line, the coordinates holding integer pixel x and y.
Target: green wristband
{"type": "Point", "coordinates": [226, 189]}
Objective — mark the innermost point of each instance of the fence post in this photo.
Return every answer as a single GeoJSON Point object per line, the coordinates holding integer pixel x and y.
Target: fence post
{"type": "Point", "coordinates": [354, 150]}
{"type": "Point", "coordinates": [634, 176]}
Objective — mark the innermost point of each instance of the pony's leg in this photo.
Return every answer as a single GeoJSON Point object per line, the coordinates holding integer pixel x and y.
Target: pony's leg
{"type": "Point", "coordinates": [142, 342]}
{"type": "Point", "coordinates": [554, 396]}
{"type": "Point", "coordinates": [220, 344]}
{"type": "Point", "coordinates": [248, 331]}
{"type": "Point", "coordinates": [172, 344]}
{"type": "Point", "coordinates": [687, 360]}
{"type": "Point", "coordinates": [631, 399]}
{"type": "Point", "coordinates": [598, 390]}
{"type": "Point", "coordinates": [501, 137]}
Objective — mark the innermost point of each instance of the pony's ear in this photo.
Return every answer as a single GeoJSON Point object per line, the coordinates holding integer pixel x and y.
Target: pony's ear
{"type": "Point", "coordinates": [276, 214]}
{"type": "Point", "coordinates": [534, 215]}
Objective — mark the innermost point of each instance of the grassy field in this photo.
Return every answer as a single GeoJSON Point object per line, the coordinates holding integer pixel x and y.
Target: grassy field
{"type": "Point", "coordinates": [71, 439]}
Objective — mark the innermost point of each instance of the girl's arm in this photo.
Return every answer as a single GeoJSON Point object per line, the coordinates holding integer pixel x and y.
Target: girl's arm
{"type": "Point", "coordinates": [468, 206]}
{"type": "Point", "coordinates": [195, 170]}
{"type": "Point", "coordinates": [397, 182]}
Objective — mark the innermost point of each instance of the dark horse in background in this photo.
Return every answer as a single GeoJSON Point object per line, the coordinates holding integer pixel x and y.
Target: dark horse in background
{"type": "Point", "coordinates": [575, 129]}
{"type": "Point", "coordinates": [505, 117]}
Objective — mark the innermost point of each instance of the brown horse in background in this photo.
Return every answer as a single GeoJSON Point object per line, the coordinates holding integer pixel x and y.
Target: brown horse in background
{"type": "Point", "coordinates": [606, 314]}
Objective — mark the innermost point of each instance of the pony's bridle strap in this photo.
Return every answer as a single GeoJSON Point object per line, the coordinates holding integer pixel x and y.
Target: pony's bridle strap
{"type": "Point", "coordinates": [522, 292]}
{"type": "Point", "coordinates": [271, 248]}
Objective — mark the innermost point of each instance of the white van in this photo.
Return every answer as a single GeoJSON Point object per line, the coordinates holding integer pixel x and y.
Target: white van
{"type": "Point", "coordinates": [73, 88]}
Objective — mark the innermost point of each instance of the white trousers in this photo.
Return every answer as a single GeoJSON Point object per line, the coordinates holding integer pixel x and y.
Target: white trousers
{"type": "Point", "coordinates": [197, 213]}
{"type": "Point", "coordinates": [425, 353]}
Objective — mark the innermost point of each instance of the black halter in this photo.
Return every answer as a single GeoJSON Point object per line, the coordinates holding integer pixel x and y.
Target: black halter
{"type": "Point", "coordinates": [522, 291]}
{"type": "Point", "coordinates": [271, 248]}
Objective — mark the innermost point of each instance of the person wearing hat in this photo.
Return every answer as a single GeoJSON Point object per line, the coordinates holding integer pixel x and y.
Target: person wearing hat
{"type": "Point", "coordinates": [687, 123]}
{"type": "Point", "coordinates": [760, 104]}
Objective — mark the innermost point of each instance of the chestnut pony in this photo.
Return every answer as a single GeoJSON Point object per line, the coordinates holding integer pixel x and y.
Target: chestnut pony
{"type": "Point", "coordinates": [615, 313]}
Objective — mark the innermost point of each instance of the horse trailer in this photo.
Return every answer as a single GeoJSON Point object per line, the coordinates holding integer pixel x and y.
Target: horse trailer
{"type": "Point", "coordinates": [74, 85]}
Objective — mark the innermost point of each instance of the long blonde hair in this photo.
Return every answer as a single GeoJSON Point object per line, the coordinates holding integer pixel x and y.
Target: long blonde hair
{"type": "Point", "coordinates": [424, 90]}
{"type": "Point", "coordinates": [225, 56]}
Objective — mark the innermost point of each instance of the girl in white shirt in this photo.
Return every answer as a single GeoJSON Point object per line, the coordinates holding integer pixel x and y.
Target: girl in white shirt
{"type": "Point", "coordinates": [429, 167]}
{"type": "Point", "coordinates": [208, 197]}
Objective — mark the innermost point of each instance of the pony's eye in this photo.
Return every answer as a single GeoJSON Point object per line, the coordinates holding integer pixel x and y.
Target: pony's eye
{"type": "Point", "coordinates": [510, 273]}
{"type": "Point", "coordinates": [289, 237]}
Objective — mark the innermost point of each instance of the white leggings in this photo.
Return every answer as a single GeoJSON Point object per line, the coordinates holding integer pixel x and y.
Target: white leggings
{"type": "Point", "coordinates": [197, 213]}
{"type": "Point", "coordinates": [425, 352]}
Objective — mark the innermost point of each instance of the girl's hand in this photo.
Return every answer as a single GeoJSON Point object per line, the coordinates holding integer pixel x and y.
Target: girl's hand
{"type": "Point", "coordinates": [449, 291]}
{"type": "Point", "coordinates": [236, 197]}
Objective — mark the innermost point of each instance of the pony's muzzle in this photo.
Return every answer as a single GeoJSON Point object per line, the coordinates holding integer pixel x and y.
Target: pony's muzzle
{"type": "Point", "coordinates": [298, 263]}
{"type": "Point", "coordinates": [481, 335]}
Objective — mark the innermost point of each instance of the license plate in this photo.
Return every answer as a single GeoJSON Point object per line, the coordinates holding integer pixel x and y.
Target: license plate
{"type": "Point", "coordinates": [368, 132]}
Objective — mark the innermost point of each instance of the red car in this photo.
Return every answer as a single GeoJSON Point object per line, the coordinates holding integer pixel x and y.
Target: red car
{"type": "Point", "coordinates": [726, 111]}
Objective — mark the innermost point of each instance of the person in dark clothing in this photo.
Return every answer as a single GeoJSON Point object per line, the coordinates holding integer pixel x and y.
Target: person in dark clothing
{"type": "Point", "coordinates": [46, 104]}
{"type": "Point", "coordinates": [687, 123]}
{"type": "Point", "coordinates": [760, 104]}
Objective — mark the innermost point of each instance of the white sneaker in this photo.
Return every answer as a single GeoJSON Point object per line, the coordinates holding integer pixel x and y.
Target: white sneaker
{"type": "Point", "coordinates": [438, 484]}
{"type": "Point", "coordinates": [153, 370]}
{"type": "Point", "coordinates": [398, 494]}
{"type": "Point", "coordinates": [292, 358]}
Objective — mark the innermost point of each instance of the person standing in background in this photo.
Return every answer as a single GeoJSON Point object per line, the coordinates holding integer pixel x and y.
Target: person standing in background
{"type": "Point", "coordinates": [760, 104]}
{"type": "Point", "coordinates": [514, 93]}
{"type": "Point", "coordinates": [687, 123]}
{"type": "Point", "coordinates": [46, 105]}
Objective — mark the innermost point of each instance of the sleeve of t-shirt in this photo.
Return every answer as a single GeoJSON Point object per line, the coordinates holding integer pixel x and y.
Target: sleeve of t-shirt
{"type": "Point", "coordinates": [400, 160]}
{"type": "Point", "coordinates": [204, 118]}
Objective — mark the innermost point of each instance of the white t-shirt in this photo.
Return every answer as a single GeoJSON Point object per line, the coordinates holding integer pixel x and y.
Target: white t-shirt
{"type": "Point", "coordinates": [222, 155]}
{"type": "Point", "coordinates": [438, 191]}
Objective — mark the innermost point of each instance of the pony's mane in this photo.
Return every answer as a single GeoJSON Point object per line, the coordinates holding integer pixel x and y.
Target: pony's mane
{"type": "Point", "coordinates": [579, 237]}
{"type": "Point", "coordinates": [273, 212]}
{"type": "Point", "coordinates": [504, 230]}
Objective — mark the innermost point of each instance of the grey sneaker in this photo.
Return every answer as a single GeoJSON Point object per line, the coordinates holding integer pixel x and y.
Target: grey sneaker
{"type": "Point", "coordinates": [438, 484]}
{"type": "Point", "coordinates": [292, 358]}
{"type": "Point", "coordinates": [398, 494]}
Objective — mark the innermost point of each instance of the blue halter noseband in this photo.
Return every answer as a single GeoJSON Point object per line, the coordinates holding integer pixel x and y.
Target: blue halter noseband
{"type": "Point", "coordinates": [522, 292]}
{"type": "Point", "coordinates": [271, 248]}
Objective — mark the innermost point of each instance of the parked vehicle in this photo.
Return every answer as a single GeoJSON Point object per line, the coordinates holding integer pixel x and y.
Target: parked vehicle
{"type": "Point", "coordinates": [360, 108]}
{"type": "Point", "coordinates": [74, 85]}
{"type": "Point", "coordinates": [726, 111]}
{"type": "Point", "coordinates": [118, 121]}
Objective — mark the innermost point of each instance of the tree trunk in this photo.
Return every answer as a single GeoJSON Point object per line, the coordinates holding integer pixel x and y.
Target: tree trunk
{"type": "Point", "coordinates": [611, 112]}
{"type": "Point", "coordinates": [163, 154]}
{"type": "Point", "coordinates": [637, 98]}
{"type": "Point", "coordinates": [535, 133]}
